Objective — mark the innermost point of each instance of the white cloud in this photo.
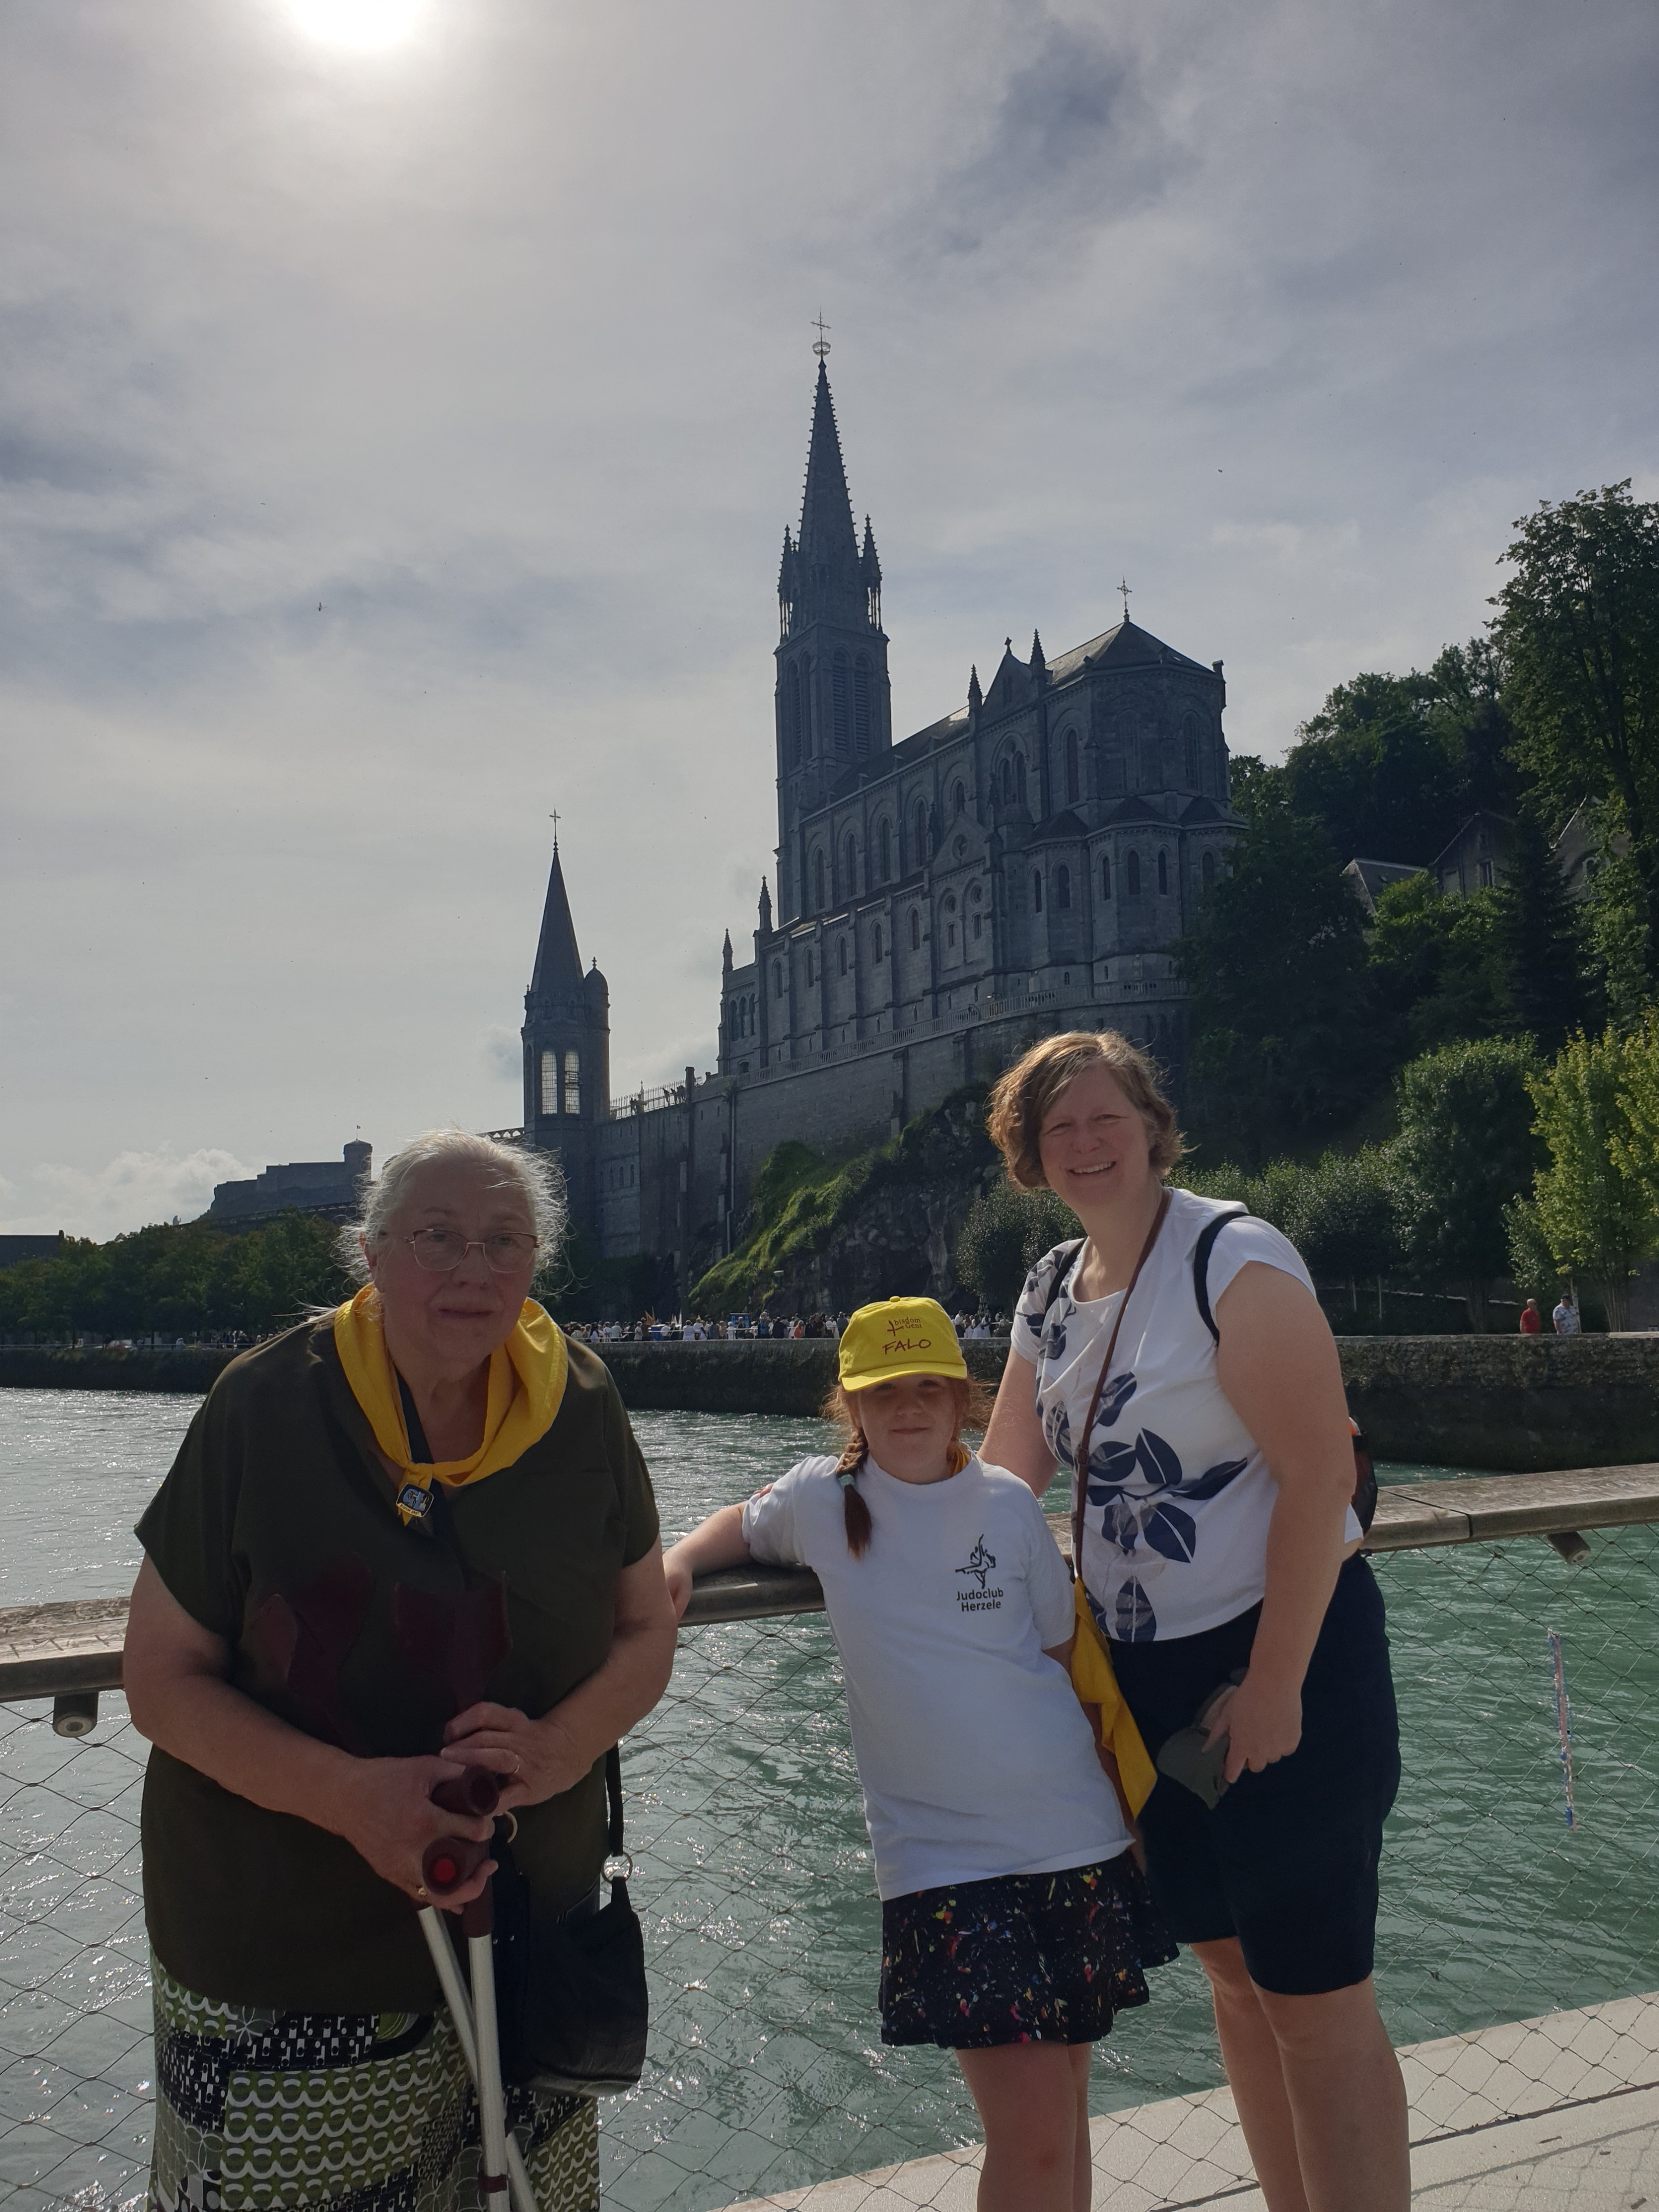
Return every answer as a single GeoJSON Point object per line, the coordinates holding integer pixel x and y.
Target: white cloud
{"type": "Point", "coordinates": [131, 1190]}
{"type": "Point", "coordinates": [381, 465]}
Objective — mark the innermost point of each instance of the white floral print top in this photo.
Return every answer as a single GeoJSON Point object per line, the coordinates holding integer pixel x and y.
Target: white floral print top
{"type": "Point", "coordinates": [1175, 1527]}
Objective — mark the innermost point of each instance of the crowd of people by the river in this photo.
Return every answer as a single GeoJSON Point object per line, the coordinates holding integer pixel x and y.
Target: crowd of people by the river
{"type": "Point", "coordinates": [749, 1327]}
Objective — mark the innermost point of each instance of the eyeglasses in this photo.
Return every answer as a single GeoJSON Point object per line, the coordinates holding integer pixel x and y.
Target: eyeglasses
{"type": "Point", "coordinates": [438, 1250]}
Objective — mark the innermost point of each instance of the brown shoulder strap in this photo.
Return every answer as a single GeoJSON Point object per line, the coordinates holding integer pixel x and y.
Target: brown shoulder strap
{"type": "Point", "coordinates": [1080, 1443]}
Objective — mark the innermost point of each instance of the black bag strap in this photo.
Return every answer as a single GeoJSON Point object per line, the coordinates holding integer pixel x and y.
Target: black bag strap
{"type": "Point", "coordinates": [1201, 1252]}
{"type": "Point", "coordinates": [613, 1792]}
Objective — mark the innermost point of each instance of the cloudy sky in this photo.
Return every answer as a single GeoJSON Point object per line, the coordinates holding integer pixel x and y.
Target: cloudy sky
{"type": "Point", "coordinates": [403, 402]}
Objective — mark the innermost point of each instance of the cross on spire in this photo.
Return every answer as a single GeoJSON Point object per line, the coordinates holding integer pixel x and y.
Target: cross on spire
{"type": "Point", "coordinates": [554, 819]}
{"type": "Point", "coordinates": [1124, 588]}
{"type": "Point", "coordinates": [820, 344]}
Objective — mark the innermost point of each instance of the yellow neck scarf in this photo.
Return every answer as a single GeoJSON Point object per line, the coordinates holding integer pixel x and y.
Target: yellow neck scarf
{"type": "Point", "coordinates": [526, 1388]}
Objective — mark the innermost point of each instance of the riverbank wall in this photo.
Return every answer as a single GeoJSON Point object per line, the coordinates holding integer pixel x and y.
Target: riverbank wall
{"type": "Point", "coordinates": [1476, 1402]}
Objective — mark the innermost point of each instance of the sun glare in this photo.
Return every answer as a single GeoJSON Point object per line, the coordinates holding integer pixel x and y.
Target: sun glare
{"type": "Point", "coordinates": [361, 23]}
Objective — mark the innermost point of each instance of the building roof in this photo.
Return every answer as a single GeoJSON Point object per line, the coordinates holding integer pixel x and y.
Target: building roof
{"type": "Point", "coordinates": [1127, 646]}
{"type": "Point", "coordinates": [558, 970]}
{"type": "Point", "coordinates": [1367, 877]}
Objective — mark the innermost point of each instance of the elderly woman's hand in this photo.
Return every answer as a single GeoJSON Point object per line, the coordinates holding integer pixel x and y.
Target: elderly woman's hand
{"type": "Point", "coordinates": [534, 1760]}
{"type": "Point", "coordinates": [387, 1814]}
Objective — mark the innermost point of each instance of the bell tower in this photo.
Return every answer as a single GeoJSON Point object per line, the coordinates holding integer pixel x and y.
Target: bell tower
{"type": "Point", "coordinates": [833, 711]}
{"type": "Point", "coordinates": [567, 1054]}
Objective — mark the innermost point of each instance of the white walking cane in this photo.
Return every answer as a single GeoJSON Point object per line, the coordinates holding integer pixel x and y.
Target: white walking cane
{"type": "Point", "coordinates": [501, 2162]}
{"type": "Point", "coordinates": [446, 1865]}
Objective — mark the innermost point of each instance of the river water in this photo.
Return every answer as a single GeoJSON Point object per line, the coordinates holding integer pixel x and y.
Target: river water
{"type": "Point", "coordinates": [754, 1877]}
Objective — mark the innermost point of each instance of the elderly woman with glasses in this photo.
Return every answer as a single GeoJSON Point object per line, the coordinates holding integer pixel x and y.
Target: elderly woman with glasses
{"type": "Point", "coordinates": [414, 1535]}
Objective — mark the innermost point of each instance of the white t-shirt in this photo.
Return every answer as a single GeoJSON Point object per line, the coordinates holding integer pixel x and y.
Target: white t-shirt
{"type": "Point", "coordinates": [1175, 1532]}
{"type": "Point", "coordinates": [975, 1756]}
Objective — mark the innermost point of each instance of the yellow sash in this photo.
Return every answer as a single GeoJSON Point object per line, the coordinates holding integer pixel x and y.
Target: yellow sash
{"type": "Point", "coordinates": [1096, 1685]}
{"type": "Point", "coordinates": [526, 1388]}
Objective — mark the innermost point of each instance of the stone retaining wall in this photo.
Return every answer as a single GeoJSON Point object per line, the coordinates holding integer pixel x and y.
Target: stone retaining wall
{"type": "Point", "coordinates": [1475, 1401]}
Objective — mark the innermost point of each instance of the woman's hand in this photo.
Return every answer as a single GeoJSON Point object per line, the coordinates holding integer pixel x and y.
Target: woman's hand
{"type": "Point", "coordinates": [387, 1814]}
{"type": "Point", "coordinates": [1262, 1720]}
{"type": "Point", "coordinates": [534, 1760]}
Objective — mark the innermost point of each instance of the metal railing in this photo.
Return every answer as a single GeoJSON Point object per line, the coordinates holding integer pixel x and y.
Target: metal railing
{"type": "Point", "coordinates": [753, 1876]}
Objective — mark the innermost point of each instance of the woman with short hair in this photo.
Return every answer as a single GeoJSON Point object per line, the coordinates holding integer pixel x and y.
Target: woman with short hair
{"type": "Point", "coordinates": [413, 1536]}
{"type": "Point", "coordinates": [1218, 1554]}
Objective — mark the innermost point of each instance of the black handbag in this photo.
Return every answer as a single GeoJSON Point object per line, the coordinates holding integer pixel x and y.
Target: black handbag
{"type": "Point", "coordinates": [571, 1997]}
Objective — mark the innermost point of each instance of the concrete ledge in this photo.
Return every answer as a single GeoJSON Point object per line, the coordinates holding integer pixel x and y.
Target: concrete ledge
{"type": "Point", "coordinates": [1561, 2111]}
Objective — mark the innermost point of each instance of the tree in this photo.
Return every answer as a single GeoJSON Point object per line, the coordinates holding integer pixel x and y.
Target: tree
{"type": "Point", "coordinates": [1436, 967]}
{"type": "Point", "coordinates": [1579, 623]}
{"type": "Point", "coordinates": [1006, 1234]}
{"type": "Point", "coordinates": [1533, 1267]}
{"type": "Point", "coordinates": [1538, 953]}
{"type": "Point", "coordinates": [1344, 1216]}
{"type": "Point", "coordinates": [1375, 768]}
{"type": "Point", "coordinates": [1466, 1149]}
{"type": "Point", "coordinates": [1283, 1041]}
{"type": "Point", "coordinates": [1598, 1217]}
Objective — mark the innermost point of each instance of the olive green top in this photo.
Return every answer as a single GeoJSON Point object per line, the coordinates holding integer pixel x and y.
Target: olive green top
{"type": "Point", "coordinates": [277, 1529]}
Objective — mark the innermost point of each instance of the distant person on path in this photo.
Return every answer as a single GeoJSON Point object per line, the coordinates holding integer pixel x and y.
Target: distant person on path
{"type": "Point", "coordinates": [1015, 1922]}
{"type": "Point", "coordinates": [1219, 1555]}
{"type": "Point", "coordinates": [1531, 1320]}
{"type": "Point", "coordinates": [1566, 1316]}
{"type": "Point", "coordinates": [414, 1535]}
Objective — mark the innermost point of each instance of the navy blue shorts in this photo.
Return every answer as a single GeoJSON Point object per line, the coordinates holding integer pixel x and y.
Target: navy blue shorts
{"type": "Point", "coordinates": [1287, 1861]}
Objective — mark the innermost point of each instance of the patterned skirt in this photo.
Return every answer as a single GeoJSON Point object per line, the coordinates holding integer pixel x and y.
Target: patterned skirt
{"type": "Point", "coordinates": [264, 2111]}
{"type": "Point", "coordinates": [1022, 1958]}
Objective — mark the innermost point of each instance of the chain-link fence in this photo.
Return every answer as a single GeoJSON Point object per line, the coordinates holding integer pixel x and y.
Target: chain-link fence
{"type": "Point", "coordinates": [766, 2070]}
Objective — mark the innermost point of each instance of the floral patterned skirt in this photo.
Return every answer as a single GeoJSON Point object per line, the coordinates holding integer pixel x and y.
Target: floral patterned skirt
{"type": "Point", "coordinates": [339, 2113]}
{"type": "Point", "coordinates": [1023, 1958]}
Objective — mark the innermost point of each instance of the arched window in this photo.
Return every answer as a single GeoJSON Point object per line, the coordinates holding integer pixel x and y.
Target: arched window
{"type": "Point", "coordinates": [1105, 875]}
{"type": "Point", "coordinates": [777, 979]}
{"type": "Point", "coordinates": [850, 854]}
{"type": "Point", "coordinates": [573, 1083]}
{"type": "Point", "coordinates": [550, 1102]}
{"type": "Point", "coordinates": [1189, 746]}
{"type": "Point", "coordinates": [915, 931]}
{"type": "Point", "coordinates": [861, 704]}
{"type": "Point", "coordinates": [949, 910]}
{"type": "Point", "coordinates": [812, 969]}
{"type": "Point", "coordinates": [1164, 873]}
{"type": "Point", "coordinates": [958, 799]}
{"type": "Point", "coordinates": [1073, 769]}
{"type": "Point", "coordinates": [1007, 783]}
{"type": "Point", "coordinates": [979, 918]}
{"type": "Point", "coordinates": [1206, 869]}
{"type": "Point", "coordinates": [1063, 889]}
{"type": "Point", "coordinates": [843, 955]}
{"type": "Point", "coordinates": [839, 693]}
{"type": "Point", "coordinates": [921, 854]}
{"type": "Point", "coordinates": [1019, 778]}
{"type": "Point", "coordinates": [876, 945]}
{"type": "Point", "coordinates": [1037, 894]}
{"type": "Point", "coordinates": [818, 880]}
{"type": "Point", "coordinates": [885, 849]}
{"type": "Point", "coordinates": [1133, 872]}
{"type": "Point", "coordinates": [792, 712]}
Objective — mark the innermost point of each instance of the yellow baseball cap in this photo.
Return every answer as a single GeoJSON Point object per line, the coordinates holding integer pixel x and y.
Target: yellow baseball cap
{"type": "Point", "coordinates": [900, 1336]}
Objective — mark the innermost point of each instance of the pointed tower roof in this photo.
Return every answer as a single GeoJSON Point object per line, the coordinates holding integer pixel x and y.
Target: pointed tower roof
{"type": "Point", "coordinates": [558, 969]}
{"type": "Point", "coordinates": [831, 581]}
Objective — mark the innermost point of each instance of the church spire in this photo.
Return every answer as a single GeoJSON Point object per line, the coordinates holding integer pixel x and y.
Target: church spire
{"type": "Point", "coordinates": [827, 566]}
{"type": "Point", "coordinates": [558, 963]}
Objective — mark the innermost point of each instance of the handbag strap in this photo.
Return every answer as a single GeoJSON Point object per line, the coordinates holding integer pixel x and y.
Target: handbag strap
{"type": "Point", "coordinates": [613, 1792]}
{"type": "Point", "coordinates": [1080, 1461]}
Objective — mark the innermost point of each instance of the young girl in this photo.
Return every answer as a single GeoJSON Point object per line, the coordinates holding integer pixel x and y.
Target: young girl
{"type": "Point", "coordinates": [1014, 1922]}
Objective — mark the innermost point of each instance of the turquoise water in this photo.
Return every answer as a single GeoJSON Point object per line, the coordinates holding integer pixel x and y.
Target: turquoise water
{"type": "Point", "coordinates": [754, 1877]}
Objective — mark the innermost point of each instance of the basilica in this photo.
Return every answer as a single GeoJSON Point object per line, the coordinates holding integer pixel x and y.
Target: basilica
{"type": "Point", "coordinates": [1025, 864]}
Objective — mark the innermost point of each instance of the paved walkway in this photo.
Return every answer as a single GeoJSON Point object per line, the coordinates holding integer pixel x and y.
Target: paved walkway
{"type": "Point", "coordinates": [1540, 2116]}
